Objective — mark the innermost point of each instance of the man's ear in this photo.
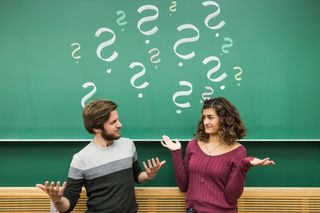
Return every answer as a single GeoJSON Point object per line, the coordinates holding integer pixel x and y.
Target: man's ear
{"type": "Point", "coordinates": [96, 130]}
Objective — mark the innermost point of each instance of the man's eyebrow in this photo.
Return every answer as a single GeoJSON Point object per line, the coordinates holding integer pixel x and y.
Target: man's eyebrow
{"type": "Point", "coordinates": [112, 121]}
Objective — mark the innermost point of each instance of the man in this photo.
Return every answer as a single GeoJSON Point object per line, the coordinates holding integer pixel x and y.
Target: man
{"type": "Point", "coordinates": [106, 167]}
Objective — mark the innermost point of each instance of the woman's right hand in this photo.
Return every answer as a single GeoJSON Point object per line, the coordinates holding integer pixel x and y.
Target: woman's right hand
{"type": "Point", "coordinates": [167, 142]}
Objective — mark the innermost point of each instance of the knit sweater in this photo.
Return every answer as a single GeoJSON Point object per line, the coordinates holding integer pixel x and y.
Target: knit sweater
{"type": "Point", "coordinates": [213, 183]}
{"type": "Point", "coordinates": [108, 174]}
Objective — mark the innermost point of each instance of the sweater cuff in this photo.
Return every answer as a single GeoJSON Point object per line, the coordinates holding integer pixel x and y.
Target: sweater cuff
{"type": "Point", "coordinates": [176, 153]}
{"type": "Point", "coordinates": [245, 163]}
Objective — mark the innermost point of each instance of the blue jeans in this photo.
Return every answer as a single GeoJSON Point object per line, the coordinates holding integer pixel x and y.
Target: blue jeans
{"type": "Point", "coordinates": [191, 210]}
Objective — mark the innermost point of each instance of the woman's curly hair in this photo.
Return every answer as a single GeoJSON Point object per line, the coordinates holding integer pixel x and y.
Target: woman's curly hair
{"type": "Point", "coordinates": [231, 126]}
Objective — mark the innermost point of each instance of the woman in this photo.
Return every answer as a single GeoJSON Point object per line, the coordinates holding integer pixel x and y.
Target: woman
{"type": "Point", "coordinates": [215, 164]}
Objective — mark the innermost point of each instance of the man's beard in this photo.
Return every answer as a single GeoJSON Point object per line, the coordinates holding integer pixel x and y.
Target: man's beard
{"type": "Point", "coordinates": [109, 137]}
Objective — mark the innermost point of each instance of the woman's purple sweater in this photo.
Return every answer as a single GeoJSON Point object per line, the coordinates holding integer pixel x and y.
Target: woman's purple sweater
{"type": "Point", "coordinates": [213, 183]}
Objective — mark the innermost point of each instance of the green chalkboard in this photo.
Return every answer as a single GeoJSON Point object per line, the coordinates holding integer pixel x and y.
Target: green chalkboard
{"type": "Point", "coordinates": [158, 60]}
{"type": "Point", "coordinates": [29, 163]}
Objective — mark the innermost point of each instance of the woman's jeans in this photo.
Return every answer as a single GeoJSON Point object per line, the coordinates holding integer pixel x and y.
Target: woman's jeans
{"type": "Point", "coordinates": [191, 210]}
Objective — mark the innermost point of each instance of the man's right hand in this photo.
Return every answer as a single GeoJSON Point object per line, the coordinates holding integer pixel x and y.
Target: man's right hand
{"type": "Point", "coordinates": [55, 192]}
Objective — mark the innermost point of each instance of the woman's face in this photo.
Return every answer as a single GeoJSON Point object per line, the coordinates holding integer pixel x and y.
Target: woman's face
{"type": "Point", "coordinates": [211, 121]}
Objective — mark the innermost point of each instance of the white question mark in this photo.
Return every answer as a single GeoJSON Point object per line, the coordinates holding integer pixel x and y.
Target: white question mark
{"type": "Point", "coordinates": [75, 50]}
{"type": "Point", "coordinates": [213, 15]}
{"type": "Point", "coordinates": [105, 44]}
{"type": "Point", "coordinates": [138, 75]}
{"type": "Point", "coordinates": [147, 19]}
{"type": "Point", "coordinates": [185, 40]}
{"type": "Point", "coordinates": [90, 94]}
{"type": "Point", "coordinates": [228, 45]}
{"type": "Point", "coordinates": [214, 70]}
{"type": "Point", "coordinates": [152, 58]}
{"type": "Point", "coordinates": [120, 19]}
{"type": "Point", "coordinates": [206, 95]}
{"type": "Point", "coordinates": [122, 16]}
{"type": "Point", "coordinates": [182, 93]}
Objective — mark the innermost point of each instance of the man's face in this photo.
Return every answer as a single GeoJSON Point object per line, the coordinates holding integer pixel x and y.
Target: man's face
{"type": "Point", "coordinates": [111, 128]}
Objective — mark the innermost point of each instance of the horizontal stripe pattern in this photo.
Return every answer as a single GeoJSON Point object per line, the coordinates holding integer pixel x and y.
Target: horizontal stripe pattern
{"type": "Point", "coordinates": [102, 170]}
{"type": "Point", "coordinates": [95, 161]}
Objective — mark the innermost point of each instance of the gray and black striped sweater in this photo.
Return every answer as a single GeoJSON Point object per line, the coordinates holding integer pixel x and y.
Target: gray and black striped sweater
{"type": "Point", "coordinates": [107, 173]}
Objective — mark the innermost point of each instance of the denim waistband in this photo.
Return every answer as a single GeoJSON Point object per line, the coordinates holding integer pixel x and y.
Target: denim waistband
{"type": "Point", "coordinates": [191, 210]}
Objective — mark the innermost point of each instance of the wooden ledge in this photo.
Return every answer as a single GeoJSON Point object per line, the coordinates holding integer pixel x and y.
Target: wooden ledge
{"type": "Point", "coordinates": [170, 199]}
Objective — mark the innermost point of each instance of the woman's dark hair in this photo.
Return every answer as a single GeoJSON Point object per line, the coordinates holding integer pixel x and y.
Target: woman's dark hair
{"type": "Point", "coordinates": [231, 126]}
{"type": "Point", "coordinates": [96, 113]}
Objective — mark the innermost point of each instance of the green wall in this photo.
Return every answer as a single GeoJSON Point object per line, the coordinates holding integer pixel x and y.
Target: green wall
{"type": "Point", "coordinates": [28, 163]}
{"type": "Point", "coordinates": [263, 55]}
{"type": "Point", "coordinates": [55, 56]}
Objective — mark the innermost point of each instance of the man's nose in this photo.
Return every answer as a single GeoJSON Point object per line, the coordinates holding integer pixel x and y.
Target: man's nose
{"type": "Point", "coordinates": [119, 125]}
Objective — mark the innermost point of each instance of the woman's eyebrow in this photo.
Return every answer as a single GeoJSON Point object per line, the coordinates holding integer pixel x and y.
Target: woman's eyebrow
{"type": "Point", "coordinates": [208, 115]}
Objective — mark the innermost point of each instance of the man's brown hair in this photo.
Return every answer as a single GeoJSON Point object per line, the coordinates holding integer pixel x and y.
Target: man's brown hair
{"type": "Point", "coordinates": [96, 113]}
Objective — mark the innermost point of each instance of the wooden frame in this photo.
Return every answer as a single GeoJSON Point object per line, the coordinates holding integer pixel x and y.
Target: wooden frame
{"type": "Point", "coordinates": [170, 199]}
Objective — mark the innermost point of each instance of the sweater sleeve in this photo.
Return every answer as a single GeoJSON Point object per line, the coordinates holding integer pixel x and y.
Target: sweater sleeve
{"type": "Point", "coordinates": [74, 183]}
{"type": "Point", "coordinates": [72, 192]}
{"type": "Point", "coordinates": [136, 170]}
{"type": "Point", "coordinates": [181, 168]}
{"type": "Point", "coordinates": [236, 181]}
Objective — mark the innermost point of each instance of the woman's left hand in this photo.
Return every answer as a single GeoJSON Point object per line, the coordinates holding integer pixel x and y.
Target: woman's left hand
{"type": "Point", "coordinates": [261, 162]}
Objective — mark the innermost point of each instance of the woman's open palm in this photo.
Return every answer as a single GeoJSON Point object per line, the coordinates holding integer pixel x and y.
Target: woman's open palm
{"type": "Point", "coordinates": [261, 162]}
{"type": "Point", "coordinates": [168, 143]}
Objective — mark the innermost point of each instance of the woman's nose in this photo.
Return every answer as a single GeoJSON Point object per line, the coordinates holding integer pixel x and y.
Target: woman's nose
{"type": "Point", "coordinates": [205, 121]}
